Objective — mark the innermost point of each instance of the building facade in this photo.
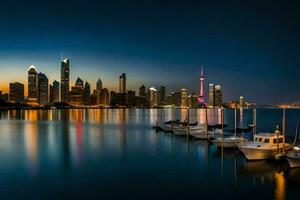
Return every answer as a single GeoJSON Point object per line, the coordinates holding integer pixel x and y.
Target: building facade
{"type": "Point", "coordinates": [16, 92]}
{"type": "Point", "coordinates": [65, 80]}
{"type": "Point", "coordinates": [122, 83]}
{"type": "Point", "coordinates": [43, 81]}
{"type": "Point", "coordinates": [54, 92]}
{"type": "Point", "coordinates": [183, 98]}
{"type": "Point", "coordinates": [153, 97]}
{"type": "Point", "coordinates": [32, 84]}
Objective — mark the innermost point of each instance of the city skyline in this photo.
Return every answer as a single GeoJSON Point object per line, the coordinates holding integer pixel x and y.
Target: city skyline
{"type": "Point", "coordinates": [245, 49]}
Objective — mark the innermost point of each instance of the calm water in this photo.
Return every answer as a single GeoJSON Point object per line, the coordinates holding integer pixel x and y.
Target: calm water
{"type": "Point", "coordinates": [116, 154]}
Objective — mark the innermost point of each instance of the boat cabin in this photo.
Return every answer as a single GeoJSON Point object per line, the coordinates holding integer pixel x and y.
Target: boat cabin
{"type": "Point", "coordinates": [270, 138]}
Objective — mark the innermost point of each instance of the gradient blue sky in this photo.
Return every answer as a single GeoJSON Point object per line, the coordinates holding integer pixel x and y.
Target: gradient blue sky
{"type": "Point", "coordinates": [251, 48]}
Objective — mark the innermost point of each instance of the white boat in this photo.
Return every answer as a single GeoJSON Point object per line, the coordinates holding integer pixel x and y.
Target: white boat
{"type": "Point", "coordinates": [264, 146]}
{"type": "Point", "coordinates": [193, 130]}
{"type": "Point", "coordinates": [228, 142]}
{"type": "Point", "coordinates": [293, 157]}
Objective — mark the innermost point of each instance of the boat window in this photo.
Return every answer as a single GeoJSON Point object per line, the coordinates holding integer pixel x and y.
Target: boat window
{"type": "Point", "coordinates": [255, 139]}
{"type": "Point", "coordinates": [267, 140]}
{"type": "Point", "coordinates": [260, 139]}
{"type": "Point", "coordinates": [280, 140]}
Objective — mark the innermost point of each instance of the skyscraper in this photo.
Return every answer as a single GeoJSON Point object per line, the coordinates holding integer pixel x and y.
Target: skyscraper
{"type": "Point", "coordinates": [183, 98]}
{"type": "Point", "coordinates": [218, 96]}
{"type": "Point", "coordinates": [104, 97]}
{"type": "Point", "coordinates": [122, 83]}
{"type": "Point", "coordinates": [54, 92]}
{"type": "Point", "coordinates": [201, 100]}
{"type": "Point", "coordinates": [162, 95]}
{"type": "Point", "coordinates": [214, 96]}
{"type": "Point", "coordinates": [16, 92]}
{"type": "Point", "coordinates": [142, 91]}
{"type": "Point", "coordinates": [76, 93]}
{"type": "Point", "coordinates": [65, 80]}
{"type": "Point", "coordinates": [242, 102]}
{"type": "Point", "coordinates": [32, 84]}
{"type": "Point", "coordinates": [86, 94]}
{"type": "Point", "coordinates": [99, 85]}
{"type": "Point", "coordinates": [152, 97]}
{"type": "Point", "coordinates": [211, 95]}
{"type": "Point", "coordinates": [43, 89]}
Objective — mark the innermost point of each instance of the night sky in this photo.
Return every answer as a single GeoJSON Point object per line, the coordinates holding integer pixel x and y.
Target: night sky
{"type": "Point", "coordinates": [250, 48]}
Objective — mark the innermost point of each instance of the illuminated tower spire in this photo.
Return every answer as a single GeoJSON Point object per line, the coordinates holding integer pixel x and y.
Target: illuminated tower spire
{"type": "Point", "coordinates": [201, 94]}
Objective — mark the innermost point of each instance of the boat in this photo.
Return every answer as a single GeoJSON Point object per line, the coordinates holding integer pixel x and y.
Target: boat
{"type": "Point", "coordinates": [228, 142]}
{"type": "Point", "coordinates": [293, 157]}
{"type": "Point", "coordinates": [265, 146]}
{"type": "Point", "coordinates": [193, 130]}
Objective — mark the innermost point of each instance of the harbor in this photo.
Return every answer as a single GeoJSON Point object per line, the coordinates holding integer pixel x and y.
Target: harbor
{"type": "Point", "coordinates": [254, 146]}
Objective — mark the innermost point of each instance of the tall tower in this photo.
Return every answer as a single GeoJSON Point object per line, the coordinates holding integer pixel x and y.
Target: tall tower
{"type": "Point", "coordinates": [32, 84]}
{"type": "Point", "coordinates": [201, 94]}
{"type": "Point", "coordinates": [65, 80]}
{"type": "Point", "coordinates": [122, 83]}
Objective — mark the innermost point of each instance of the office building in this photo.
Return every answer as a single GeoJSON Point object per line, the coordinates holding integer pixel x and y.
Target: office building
{"type": "Point", "coordinates": [43, 89]}
{"type": "Point", "coordinates": [54, 92]}
{"type": "Point", "coordinates": [99, 85]}
{"type": "Point", "coordinates": [122, 83]}
{"type": "Point", "coordinates": [65, 80]}
{"type": "Point", "coordinates": [86, 94]}
{"type": "Point", "coordinates": [142, 91]}
{"type": "Point", "coordinates": [104, 97]}
{"type": "Point", "coordinates": [153, 97]}
{"type": "Point", "coordinates": [242, 102]}
{"type": "Point", "coordinates": [183, 98]}
{"type": "Point", "coordinates": [16, 92]}
{"type": "Point", "coordinates": [218, 97]}
{"type": "Point", "coordinates": [76, 93]}
{"type": "Point", "coordinates": [162, 95]}
{"type": "Point", "coordinates": [32, 84]}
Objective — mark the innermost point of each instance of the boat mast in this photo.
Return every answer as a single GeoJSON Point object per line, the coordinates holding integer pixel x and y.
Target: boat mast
{"type": "Point", "coordinates": [254, 121]}
{"type": "Point", "coordinates": [235, 123]}
{"type": "Point", "coordinates": [283, 128]}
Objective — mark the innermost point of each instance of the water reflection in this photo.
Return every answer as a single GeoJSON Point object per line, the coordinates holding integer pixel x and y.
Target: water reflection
{"type": "Point", "coordinates": [112, 149]}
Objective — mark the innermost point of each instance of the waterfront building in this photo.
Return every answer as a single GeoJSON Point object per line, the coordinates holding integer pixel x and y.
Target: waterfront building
{"type": "Point", "coordinates": [214, 96]}
{"type": "Point", "coordinates": [142, 91]}
{"type": "Point", "coordinates": [86, 94]}
{"type": "Point", "coordinates": [65, 80]}
{"type": "Point", "coordinates": [131, 98]}
{"type": "Point", "coordinates": [32, 84]}
{"type": "Point", "coordinates": [183, 98]}
{"type": "Point", "coordinates": [16, 92]}
{"type": "Point", "coordinates": [242, 102]}
{"type": "Point", "coordinates": [218, 96]}
{"type": "Point", "coordinates": [174, 98]}
{"type": "Point", "coordinates": [211, 95]}
{"type": "Point", "coordinates": [76, 93]}
{"type": "Point", "coordinates": [43, 86]}
{"type": "Point", "coordinates": [153, 97]}
{"type": "Point", "coordinates": [201, 100]}
{"type": "Point", "coordinates": [104, 97]}
{"type": "Point", "coordinates": [193, 100]}
{"type": "Point", "coordinates": [113, 98]}
{"type": "Point", "coordinates": [122, 83]}
{"type": "Point", "coordinates": [54, 92]}
{"type": "Point", "coordinates": [162, 95]}
{"type": "Point", "coordinates": [99, 85]}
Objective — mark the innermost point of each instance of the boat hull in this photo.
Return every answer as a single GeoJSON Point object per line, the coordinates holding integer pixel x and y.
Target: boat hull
{"type": "Point", "coordinates": [293, 162]}
{"type": "Point", "coordinates": [260, 154]}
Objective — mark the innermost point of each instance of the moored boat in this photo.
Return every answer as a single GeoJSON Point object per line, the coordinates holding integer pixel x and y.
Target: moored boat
{"type": "Point", "coordinates": [265, 146]}
{"type": "Point", "coordinates": [293, 157]}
